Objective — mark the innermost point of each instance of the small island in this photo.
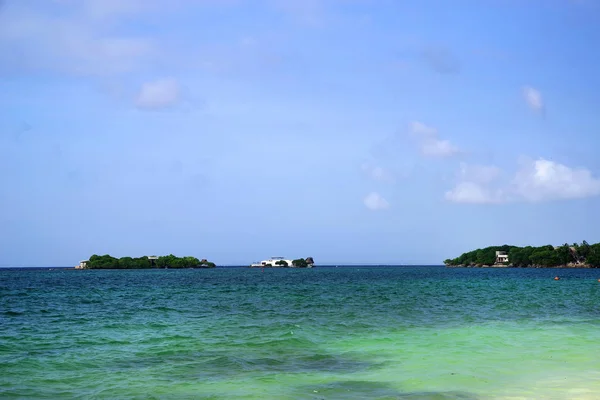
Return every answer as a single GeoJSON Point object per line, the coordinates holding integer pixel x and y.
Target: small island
{"type": "Point", "coordinates": [575, 255]}
{"type": "Point", "coordinates": [282, 262]}
{"type": "Point", "coordinates": [146, 262]}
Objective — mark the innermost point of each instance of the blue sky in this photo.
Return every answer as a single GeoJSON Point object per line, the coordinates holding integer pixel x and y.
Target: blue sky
{"type": "Point", "coordinates": [351, 131]}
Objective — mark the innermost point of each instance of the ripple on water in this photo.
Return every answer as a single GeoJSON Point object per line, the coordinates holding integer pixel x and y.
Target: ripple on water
{"type": "Point", "coordinates": [397, 333]}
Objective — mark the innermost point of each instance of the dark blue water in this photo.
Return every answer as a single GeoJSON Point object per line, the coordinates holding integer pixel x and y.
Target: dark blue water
{"type": "Point", "coordinates": [359, 332]}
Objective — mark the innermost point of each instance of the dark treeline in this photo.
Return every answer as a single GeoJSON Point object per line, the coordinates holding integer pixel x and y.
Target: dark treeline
{"type": "Point", "coordinates": [170, 261]}
{"type": "Point", "coordinates": [297, 263]}
{"type": "Point", "coordinates": [574, 255]}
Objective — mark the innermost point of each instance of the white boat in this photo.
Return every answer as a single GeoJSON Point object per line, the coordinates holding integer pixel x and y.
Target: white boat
{"type": "Point", "coordinates": [274, 262]}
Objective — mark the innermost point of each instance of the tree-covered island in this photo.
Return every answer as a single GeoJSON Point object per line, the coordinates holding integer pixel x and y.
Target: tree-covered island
{"type": "Point", "coordinates": [147, 262]}
{"type": "Point", "coordinates": [575, 255]}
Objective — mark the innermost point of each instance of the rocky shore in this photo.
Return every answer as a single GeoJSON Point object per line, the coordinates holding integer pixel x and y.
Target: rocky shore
{"type": "Point", "coordinates": [569, 265]}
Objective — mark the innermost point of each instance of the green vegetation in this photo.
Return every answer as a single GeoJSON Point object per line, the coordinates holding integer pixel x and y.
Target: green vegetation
{"type": "Point", "coordinates": [300, 263]}
{"type": "Point", "coordinates": [170, 261]}
{"type": "Point", "coordinates": [277, 263]}
{"type": "Point", "coordinates": [575, 255]}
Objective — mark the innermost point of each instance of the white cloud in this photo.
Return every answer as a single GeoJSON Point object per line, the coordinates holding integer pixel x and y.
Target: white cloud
{"type": "Point", "coordinates": [374, 201]}
{"type": "Point", "coordinates": [473, 193]}
{"type": "Point", "coordinates": [72, 37]}
{"type": "Point", "coordinates": [430, 144]}
{"type": "Point", "coordinates": [103, 39]}
{"type": "Point", "coordinates": [159, 94]}
{"type": "Point", "coordinates": [378, 173]}
{"type": "Point", "coordinates": [543, 180]}
{"type": "Point", "coordinates": [533, 98]}
{"type": "Point", "coordinates": [422, 129]}
{"type": "Point", "coordinates": [438, 148]}
{"type": "Point", "coordinates": [535, 181]}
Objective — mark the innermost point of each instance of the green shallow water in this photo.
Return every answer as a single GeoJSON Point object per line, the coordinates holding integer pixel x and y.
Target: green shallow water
{"type": "Point", "coordinates": [323, 333]}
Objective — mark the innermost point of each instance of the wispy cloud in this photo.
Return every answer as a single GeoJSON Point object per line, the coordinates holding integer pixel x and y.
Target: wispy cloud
{"type": "Point", "coordinates": [474, 193]}
{"type": "Point", "coordinates": [374, 201]}
{"type": "Point", "coordinates": [431, 145]}
{"type": "Point", "coordinates": [159, 94]}
{"type": "Point", "coordinates": [378, 173]}
{"type": "Point", "coordinates": [482, 174]}
{"type": "Point", "coordinates": [73, 38]}
{"type": "Point", "coordinates": [533, 98]}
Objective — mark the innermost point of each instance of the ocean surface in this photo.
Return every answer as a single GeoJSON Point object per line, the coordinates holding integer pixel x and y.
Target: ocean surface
{"type": "Point", "coordinates": [322, 333]}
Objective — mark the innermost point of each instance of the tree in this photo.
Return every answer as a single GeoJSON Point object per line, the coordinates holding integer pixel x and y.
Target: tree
{"type": "Point", "coordinates": [165, 261]}
{"type": "Point", "coordinates": [545, 256]}
{"type": "Point", "coordinates": [487, 256]}
{"type": "Point", "coordinates": [584, 249]}
{"type": "Point", "coordinates": [299, 263]}
{"type": "Point", "coordinates": [593, 258]}
{"type": "Point", "coordinates": [142, 263]}
{"type": "Point", "coordinates": [170, 261]}
{"type": "Point", "coordinates": [103, 262]}
{"type": "Point", "coordinates": [520, 256]}
{"type": "Point", "coordinates": [517, 257]}
{"type": "Point", "coordinates": [282, 263]}
{"type": "Point", "coordinates": [564, 254]}
{"type": "Point", "coordinates": [126, 263]}
{"type": "Point", "coordinates": [207, 264]}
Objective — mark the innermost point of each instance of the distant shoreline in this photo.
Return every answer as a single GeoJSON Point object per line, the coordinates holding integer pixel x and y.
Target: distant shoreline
{"type": "Point", "coordinates": [576, 255]}
{"type": "Point", "coordinates": [331, 266]}
{"type": "Point", "coordinates": [221, 267]}
{"type": "Point", "coordinates": [244, 267]}
{"type": "Point", "coordinates": [144, 262]}
{"type": "Point", "coordinates": [564, 266]}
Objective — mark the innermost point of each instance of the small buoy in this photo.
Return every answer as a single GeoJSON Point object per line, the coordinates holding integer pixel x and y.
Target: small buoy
{"type": "Point", "coordinates": [556, 278]}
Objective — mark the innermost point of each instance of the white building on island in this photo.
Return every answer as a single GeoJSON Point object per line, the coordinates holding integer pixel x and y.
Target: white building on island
{"type": "Point", "coordinates": [501, 257]}
{"type": "Point", "coordinates": [281, 262]}
{"type": "Point", "coordinates": [273, 262]}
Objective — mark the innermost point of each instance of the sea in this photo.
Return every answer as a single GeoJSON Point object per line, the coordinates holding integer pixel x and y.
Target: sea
{"type": "Point", "coordinates": [354, 332]}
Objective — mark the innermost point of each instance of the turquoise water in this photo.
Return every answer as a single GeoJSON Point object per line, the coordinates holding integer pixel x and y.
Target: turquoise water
{"type": "Point", "coordinates": [322, 333]}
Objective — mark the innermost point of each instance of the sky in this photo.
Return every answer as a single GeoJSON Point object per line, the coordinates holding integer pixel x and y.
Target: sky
{"type": "Point", "coordinates": [352, 131]}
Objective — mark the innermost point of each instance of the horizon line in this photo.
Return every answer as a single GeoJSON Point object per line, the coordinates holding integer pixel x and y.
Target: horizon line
{"type": "Point", "coordinates": [332, 265]}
